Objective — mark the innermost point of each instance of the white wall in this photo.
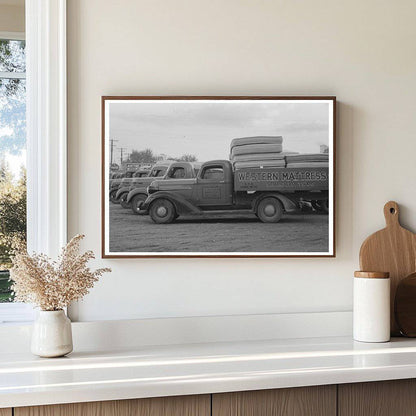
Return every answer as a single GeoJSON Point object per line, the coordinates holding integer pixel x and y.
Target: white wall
{"type": "Point", "coordinates": [361, 51]}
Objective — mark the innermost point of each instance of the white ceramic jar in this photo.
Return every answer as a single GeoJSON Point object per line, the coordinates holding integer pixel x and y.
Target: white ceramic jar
{"type": "Point", "coordinates": [371, 308]}
{"type": "Point", "coordinates": [52, 334]}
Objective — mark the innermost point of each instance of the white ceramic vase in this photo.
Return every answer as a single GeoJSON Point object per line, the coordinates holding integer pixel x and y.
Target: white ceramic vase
{"type": "Point", "coordinates": [52, 334]}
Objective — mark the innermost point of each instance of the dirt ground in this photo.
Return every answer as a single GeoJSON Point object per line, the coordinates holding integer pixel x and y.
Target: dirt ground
{"type": "Point", "coordinates": [230, 232]}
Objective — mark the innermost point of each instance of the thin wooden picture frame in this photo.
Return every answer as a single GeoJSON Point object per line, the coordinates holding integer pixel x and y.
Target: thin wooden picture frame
{"type": "Point", "coordinates": [107, 253]}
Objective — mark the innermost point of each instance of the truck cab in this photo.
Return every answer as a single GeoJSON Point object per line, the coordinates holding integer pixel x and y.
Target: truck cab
{"type": "Point", "coordinates": [177, 171]}
{"type": "Point", "coordinates": [267, 192]}
{"type": "Point", "coordinates": [212, 187]}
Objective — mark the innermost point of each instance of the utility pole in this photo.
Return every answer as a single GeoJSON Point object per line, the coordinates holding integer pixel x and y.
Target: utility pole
{"type": "Point", "coordinates": [112, 150]}
{"type": "Point", "coordinates": [121, 154]}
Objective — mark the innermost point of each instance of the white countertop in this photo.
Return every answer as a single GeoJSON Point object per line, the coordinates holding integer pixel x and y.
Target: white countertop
{"type": "Point", "coordinates": [200, 368]}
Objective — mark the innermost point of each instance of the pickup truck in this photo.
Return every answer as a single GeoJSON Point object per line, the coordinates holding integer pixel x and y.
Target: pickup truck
{"type": "Point", "coordinates": [115, 181]}
{"type": "Point", "coordinates": [124, 186]}
{"type": "Point", "coordinates": [267, 192]}
{"type": "Point", "coordinates": [120, 196]}
{"type": "Point", "coordinates": [120, 180]}
{"type": "Point", "coordinates": [175, 170]}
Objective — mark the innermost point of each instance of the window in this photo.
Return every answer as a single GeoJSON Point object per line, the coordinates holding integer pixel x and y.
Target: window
{"type": "Point", "coordinates": [45, 98]}
{"type": "Point", "coordinates": [140, 174]}
{"type": "Point", "coordinates": [158, 172]}
{"type": "Point", "coordinates": [213, 173]}
{"type": "Point", "coordinates": [12, 154]}
{"type": "Point", "coordinates": [177, 173]}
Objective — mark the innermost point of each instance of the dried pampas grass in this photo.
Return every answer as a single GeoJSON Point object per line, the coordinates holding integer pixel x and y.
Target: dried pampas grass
{"type": "Point", "coordinates": [53, 285]}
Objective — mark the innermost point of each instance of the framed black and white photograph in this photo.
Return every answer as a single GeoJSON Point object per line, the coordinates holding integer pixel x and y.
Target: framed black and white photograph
{"type": "Point", "coordinates": [218, 176]}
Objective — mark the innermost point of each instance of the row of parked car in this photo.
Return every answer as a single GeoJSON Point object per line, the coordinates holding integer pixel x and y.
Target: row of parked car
{"type": "Point", "coordinates": [169, 190]}
{"type": "Point", "coordinates": [130, 189]}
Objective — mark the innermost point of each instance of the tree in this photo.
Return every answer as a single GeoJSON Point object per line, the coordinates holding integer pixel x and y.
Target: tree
{"type": "Point", "coordinates": [12, 98]}
{"type": "Point", "coordinates": [188, 158]}
{"type": "Point", "coordinates": [12, 212]}
{"type": "Point", "coordinates": [142, 156]}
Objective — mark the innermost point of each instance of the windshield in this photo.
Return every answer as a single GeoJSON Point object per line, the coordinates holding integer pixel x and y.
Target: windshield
{"type": "Point", "coordinates": [159, 171]}
{"type": "Point", "coordinates": [140, 174]}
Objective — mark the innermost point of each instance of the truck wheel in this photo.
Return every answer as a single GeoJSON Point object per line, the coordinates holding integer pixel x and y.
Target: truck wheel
{"type": "Point", "coordinates": [162, 211]}
{"type": "Point", "coordinates": [136, 202]}
{"type": "Point", "coordinates": [324, 206]}
{"type": "Point", "coordinates": [113, 198]}
{"type": "Point", "coordinates": [315, 205]}
{"type": "Point", "coordinates": [321, 206]}
{"type": "Point", "coordinates": [270, 210]}
{"type": "Point", "coordinates": [123, 201]}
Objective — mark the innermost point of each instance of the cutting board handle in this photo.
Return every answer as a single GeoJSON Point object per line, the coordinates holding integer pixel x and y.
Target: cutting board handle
{"type": "Point", "coordinates": [391, 213]}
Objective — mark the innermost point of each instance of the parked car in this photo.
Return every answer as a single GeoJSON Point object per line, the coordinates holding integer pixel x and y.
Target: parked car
{"type": "Point", "coordinates": [115, 182]}
{"type": "Point", "coordinates": [124, 187]}
{"type": "Point", "coordinates": [159, 169]}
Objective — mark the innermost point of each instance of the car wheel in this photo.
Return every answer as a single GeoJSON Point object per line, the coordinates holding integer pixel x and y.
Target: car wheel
{"type": "Point", "coordinates": [136, 202]}
{"type": "Point", "coordinates": [270, 210]}
{"type": "Point", "coordinates": [113, 198]}
{"type": "Point", "coordinates": [123, 201]}
{"type": "Point", "coordinates": [162, 211]}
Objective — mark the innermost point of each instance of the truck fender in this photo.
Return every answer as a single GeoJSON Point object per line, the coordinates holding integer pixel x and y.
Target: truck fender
{"type": "Point", "coordinates": [182, 205]}
{"type": "Point", "coordinates": [287, 203]}
{"type": "Point", "coordinates": [135, 192]}
{"type": "Point", "coordinates": [121, 191]}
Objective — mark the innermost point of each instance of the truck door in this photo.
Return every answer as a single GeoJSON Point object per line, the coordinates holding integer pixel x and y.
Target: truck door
{"type": "Point", "coordinates": [214, 186]}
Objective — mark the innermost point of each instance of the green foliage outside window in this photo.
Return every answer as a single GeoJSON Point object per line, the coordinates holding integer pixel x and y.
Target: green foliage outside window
{"type": "Point", "coordinates": [12, 222]}
{"type": "Point", "coordinates": [12, 144]}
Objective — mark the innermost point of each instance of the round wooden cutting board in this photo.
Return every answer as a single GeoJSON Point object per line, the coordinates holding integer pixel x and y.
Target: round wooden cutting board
{"type": "Point", "coordinates": [393, 250]}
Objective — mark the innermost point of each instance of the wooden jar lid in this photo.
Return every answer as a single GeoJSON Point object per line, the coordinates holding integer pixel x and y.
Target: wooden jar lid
{"type": "Point", "coordinates": [372, 275]}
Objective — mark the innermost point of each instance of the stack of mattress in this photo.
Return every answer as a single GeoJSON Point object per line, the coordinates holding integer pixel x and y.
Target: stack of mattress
{"type": "Point", "coordinates": [307, 160]}
{"type": "Point", "coordinates": [257, 151]}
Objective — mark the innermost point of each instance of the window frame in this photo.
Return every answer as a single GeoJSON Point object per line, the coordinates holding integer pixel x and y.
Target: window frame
{"type": "Point", "coordinates": [46, 125]}
{"type": "Point", "coordinates": [46, 140]}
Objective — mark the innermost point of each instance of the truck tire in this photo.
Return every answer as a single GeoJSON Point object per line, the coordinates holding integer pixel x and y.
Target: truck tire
{"type": "Point", "coordinates": [321, 206]}
{"type": "Point", "coordinates": [136, 202]}
{"type": "Point", "coordinates": [162, 211]}
{"type": "Point", "coordinates": [269, 210]}
{"type": "Point", "coordinates": [324, 206]}
{"type": "Point", "coordinates": [113, 198]}
{"type": "Point", "coordinates": [315, 205]}
{"type": "Point", "coordinates": [123, 200]}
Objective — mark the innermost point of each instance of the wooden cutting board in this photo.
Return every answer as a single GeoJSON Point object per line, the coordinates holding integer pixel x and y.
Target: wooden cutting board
{"type": "Point", "coordinates": [405, 306]}
{"type": "Point", "coordinates": [393, 250]}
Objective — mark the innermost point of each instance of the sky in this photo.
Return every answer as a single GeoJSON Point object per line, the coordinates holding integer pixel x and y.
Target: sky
{"type": "Point", "coordinates": [205, 129]}
{"type": "Point", "coordinates": [15, 160]}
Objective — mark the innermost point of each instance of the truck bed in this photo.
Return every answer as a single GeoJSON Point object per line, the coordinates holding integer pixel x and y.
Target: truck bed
{"type": "Point", "coordinates": [281, 179]}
